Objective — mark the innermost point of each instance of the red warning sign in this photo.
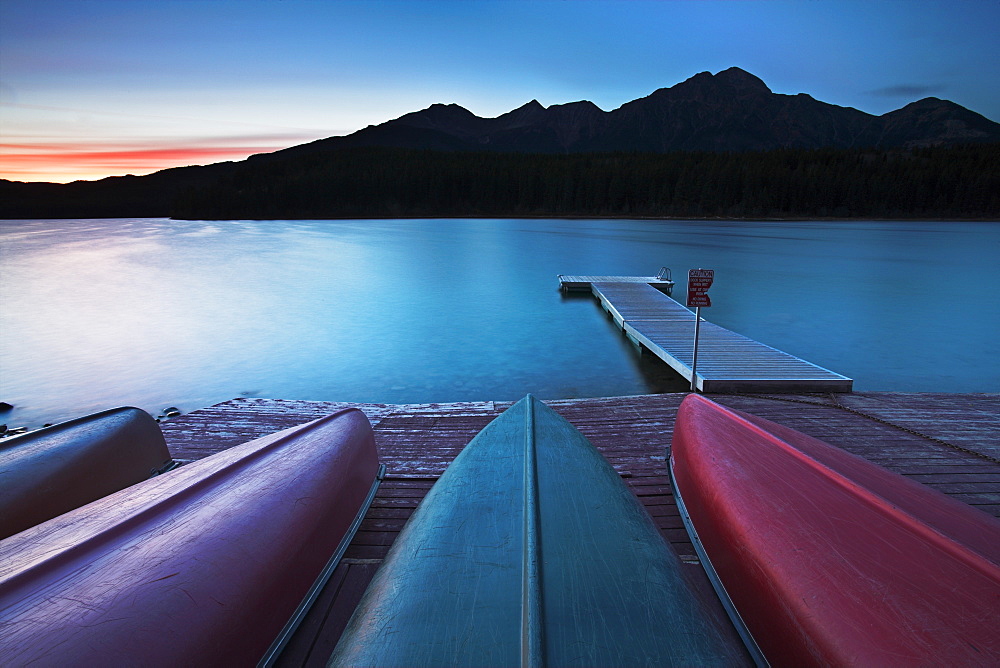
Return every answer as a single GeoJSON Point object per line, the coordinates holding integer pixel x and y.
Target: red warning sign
{"type": "Point", "coordinates": [699, 281]}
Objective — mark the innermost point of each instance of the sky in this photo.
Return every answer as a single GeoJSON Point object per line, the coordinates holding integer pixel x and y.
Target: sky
{"type": "Point", "coordinates": [96, 88]}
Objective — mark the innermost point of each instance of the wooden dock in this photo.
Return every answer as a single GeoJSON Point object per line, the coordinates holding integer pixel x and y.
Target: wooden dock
{"type": "Point", "coordinates": [727, 361]}
{"type": "Point", "coordinates": [663, 283]}
{"type": "Point", "coordinates": [946, 441]}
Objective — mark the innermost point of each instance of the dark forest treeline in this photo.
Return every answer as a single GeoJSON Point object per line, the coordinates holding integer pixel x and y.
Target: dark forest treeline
{"type": "Point", "coordinates": [956, 182]}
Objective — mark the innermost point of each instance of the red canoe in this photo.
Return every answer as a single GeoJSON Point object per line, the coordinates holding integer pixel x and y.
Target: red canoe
{"type": "Point", "coordinates": [51, 471]}
{"type": "Point", "coordinates": [205, 565]}
{"type": "Point", "coordinates": [828, 559]}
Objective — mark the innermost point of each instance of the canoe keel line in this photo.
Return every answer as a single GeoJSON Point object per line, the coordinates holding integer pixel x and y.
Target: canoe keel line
{"type": "Point", "coordinates": [824, 558]}
{"type": "Point", "coordinates": [530, 550]}
{"type": "Point", "coordinates": [206, 565]}
{"type": "Point", "coordinates": [531, 587]}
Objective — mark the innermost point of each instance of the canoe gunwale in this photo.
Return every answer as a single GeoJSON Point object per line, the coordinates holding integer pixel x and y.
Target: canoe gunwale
{"type": "Point", "coordinates": [281, 641]}
{"type": "Point", "coordinates": [720, 589]}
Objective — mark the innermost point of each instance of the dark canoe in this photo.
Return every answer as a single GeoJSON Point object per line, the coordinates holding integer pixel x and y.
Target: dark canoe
{"type": "Point", "coordinates": [829, 559]}
{"type": "Point", "coordinates": [51, 471]}
{"type": "Point", "coordinates": [530, 550]}
{"type": "Point", "coordinates": [204, 565]}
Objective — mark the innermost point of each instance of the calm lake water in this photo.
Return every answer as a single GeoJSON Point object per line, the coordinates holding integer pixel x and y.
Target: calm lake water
{"type": "Point", "coordinates": [156, 313]}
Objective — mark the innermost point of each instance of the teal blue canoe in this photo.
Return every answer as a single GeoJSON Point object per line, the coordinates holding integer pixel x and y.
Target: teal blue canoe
{"type": "Point", "coordinates": [530, 550]}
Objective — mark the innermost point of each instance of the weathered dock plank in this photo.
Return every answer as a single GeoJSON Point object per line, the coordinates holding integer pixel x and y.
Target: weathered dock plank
{"type": "Point", "coordinates": [941, 440]}
{"type": "Point", "coordinates": [727, 361]}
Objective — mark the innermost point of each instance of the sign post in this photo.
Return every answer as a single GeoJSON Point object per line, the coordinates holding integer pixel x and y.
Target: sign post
{"type": "Point", "coordinates": [699, 281]}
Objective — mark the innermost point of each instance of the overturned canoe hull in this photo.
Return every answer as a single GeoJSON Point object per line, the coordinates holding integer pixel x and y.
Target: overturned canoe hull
{"type": "Point", "coordinates": [828, 559]}
{"type": "Point", "coordinates": [202, 566]}
{"type": "Point", "coordinates": [530, 550]}
{"type": "Point", "coordinates": [51, 471]}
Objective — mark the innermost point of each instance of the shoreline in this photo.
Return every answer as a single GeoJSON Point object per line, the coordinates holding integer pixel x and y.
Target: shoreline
{"type": "Point", "coordinates": [745, 219]}
{"type": "Point", "coordinates": [169, 415]}
{"type": "Point", "coordinates": [829, 219]}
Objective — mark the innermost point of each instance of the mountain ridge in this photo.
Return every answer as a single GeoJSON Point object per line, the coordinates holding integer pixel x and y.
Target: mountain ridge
{"type": "Point", "coordinates": [732, 110]}
{"type": "Point", "coordinates": [728, 128]}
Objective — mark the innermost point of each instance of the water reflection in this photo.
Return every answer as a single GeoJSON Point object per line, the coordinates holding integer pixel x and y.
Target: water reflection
{"type": "Point", "coordinates": [153, 312]}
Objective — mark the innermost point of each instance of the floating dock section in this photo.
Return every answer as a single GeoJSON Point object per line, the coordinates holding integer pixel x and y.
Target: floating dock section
{"type": "Point", "coordinates": [662, 282]}
{"type": "Point", "coordinates": [727, 362]}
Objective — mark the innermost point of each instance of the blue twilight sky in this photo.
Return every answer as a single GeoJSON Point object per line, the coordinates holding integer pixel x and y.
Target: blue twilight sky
{"type": "Point", "coordinates": [91, 88]}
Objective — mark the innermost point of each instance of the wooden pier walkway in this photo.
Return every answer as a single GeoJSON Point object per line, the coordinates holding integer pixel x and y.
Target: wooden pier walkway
{"type": "Point", "coordinates": [663, 282]}
{"type": "Point", "coordinates": [950, 442]}
{"type": "Point", "coordinates": [727, 361]}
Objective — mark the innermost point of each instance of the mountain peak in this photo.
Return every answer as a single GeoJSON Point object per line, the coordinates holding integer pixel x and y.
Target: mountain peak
{"type": "Point", "coordinates": [742, 80]}
{"type": "Point", "coordinates": [529, 112]}
{"type": "Point", "coordinates": [438, 113]}
{"type": "Point", "coordinates": [448, 118]}
{"type": "Point", "coordinates": [932, 103]}
{"type": "Point", "coordinates": [933, 106]}
{"type": "Point", "coordinates": [733, 82]}
{"type": "Point", "coordinates": [532, 108]}
{"type": "Point", "coordinates": [934, 122]}
{"type": "Point", "coordinates": [579, 107]}
{"type": "Point", "coordinates": [452, 108]}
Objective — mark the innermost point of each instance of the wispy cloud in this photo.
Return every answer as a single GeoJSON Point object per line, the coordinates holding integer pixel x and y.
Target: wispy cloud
{"type": "Point", "coordinates": [907, 90]}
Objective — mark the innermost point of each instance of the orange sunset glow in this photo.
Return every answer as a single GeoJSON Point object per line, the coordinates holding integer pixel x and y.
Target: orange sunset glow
{"type": "Point", "coordinates": [72, 161]}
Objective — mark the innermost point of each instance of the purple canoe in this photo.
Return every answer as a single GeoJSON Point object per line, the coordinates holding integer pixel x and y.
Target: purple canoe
{"type": "Point", "coordinates": [51, 471]}
{"type": "Point", "coordinates": [210, 564]}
